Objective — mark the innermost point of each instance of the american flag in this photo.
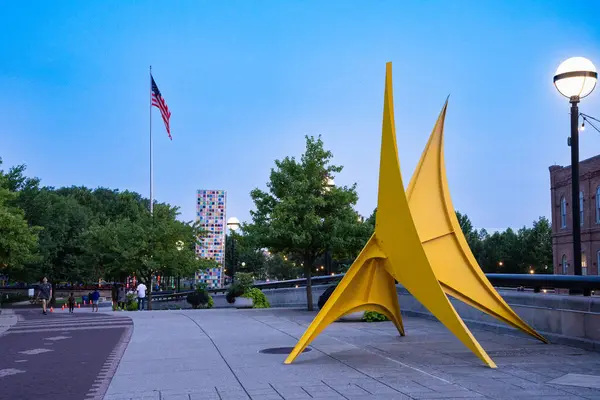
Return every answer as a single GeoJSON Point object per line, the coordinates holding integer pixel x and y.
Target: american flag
{"type": "Point", "coordinates": [159, 102]}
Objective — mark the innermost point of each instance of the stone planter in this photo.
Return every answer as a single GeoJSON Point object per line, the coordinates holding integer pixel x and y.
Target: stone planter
{"type": "Point", "coordinates": [243, 302]}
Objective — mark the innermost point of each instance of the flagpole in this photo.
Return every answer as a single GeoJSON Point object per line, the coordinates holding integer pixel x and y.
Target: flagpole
{"type": "Point", "coordinates": [151, 167]}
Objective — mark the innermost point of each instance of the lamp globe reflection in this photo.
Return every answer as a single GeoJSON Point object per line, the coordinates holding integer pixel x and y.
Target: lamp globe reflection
{"type": "Point", "coordinates": [576, 77]}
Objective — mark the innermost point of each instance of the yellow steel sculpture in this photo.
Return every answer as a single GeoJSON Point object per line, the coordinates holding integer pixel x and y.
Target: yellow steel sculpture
{"type": "Point", "coordinates": [395, 252]}
{"type": "Point", "coordinates": [443, 240]}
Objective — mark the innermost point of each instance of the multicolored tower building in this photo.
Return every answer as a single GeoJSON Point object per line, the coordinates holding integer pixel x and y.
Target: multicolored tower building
{"type": "Point", "coordinates": [211, 215]}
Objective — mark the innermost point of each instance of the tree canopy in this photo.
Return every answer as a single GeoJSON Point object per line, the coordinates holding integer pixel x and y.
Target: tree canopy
{"type": "Point", "coordinates": [301, 214]}
{"type": "Point", "coordinates": [76, 234]}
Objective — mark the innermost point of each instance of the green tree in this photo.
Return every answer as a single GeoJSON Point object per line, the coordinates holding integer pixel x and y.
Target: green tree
{"type": "Point", "coordinates": [61, 245]}
{"type": "Point", "coordinates": [300, 214]}
{"type": "Point", "coordinates": [280, 267]}
{"type": "Point", "coordinates": [146, 246]}
{"type": "Point", "coordinates": [18, 241]}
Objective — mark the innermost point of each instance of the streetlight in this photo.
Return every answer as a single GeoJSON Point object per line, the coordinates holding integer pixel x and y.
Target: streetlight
{"type": "Point", "coordinates": [575, 78]}
{"type": "Point", "coordinates": [233, 224]}
{"type": "Point", "coordinates": [179, 246]}
{"type": "Point", "coordinates": [329, 184]}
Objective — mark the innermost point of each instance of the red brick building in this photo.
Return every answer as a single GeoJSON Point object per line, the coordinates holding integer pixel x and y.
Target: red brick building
{"type": "Point", "coordinates": [562, 218]}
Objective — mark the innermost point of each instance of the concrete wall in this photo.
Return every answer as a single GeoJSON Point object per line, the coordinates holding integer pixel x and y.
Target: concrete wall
{"type": "Point", "coordinates": [573, 320]}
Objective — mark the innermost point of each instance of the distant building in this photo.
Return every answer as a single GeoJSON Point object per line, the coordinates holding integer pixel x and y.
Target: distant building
{"type": "Point", "coordinates": [562, 218]}
{"type": "Point", "coordinates": [211, 215]}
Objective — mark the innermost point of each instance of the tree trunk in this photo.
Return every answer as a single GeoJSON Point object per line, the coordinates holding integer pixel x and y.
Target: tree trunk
{"type": "Point", "coordinates": [308, 275]}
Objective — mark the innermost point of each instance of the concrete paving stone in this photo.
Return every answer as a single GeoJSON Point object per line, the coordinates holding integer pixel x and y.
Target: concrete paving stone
{"type": "Point", "coordinates": [258, 392]}
{"type": "Point", "coordinates": [134, 396]}
{"type": "Point", "coordinates": [509, 395]}
{"type": "Point", "coordinates": [378, 388]}
{"type": "Point", "coordinates": [446, 395]}
{"type": "Point", "coordinates": [204, 396]}
{"type": "Point", "coordinates": [579, 391]}
{"type": "Point", "coordinates": [392, 396]}
{"type": "Point", "coordinates": [290, 391]}
{"type": "Point", "coordinates": [234, 396]}
{"type": "Point", "coordinates": [176, 396]}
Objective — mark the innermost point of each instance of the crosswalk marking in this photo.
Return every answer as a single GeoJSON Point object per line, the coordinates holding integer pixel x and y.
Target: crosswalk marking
{"type": "Point", "coordinates": [33, 352]}
{"type": "Point", "coordinates": [66, 323]}
{"type": "Point", "coordinates": [10, 371]}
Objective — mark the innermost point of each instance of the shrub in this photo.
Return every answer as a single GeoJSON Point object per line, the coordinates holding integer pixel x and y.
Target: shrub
{"type": "Point", "coordinates": [373, 316]}
{"type": "Point", "coordinates": [259, 300]}
{"type": "Point", "coordinates": [235, 290]}
{"type": "Point", "coordinates": [132, 306]}
{"type": "Point", "coordinates": [244, 280]}
{"type": "Point", "coordinates": [200, 298]}
{"type": "Point", "coordinates": [210, 303]}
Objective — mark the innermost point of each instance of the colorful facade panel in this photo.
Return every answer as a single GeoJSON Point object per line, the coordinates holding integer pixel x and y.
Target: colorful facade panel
{"type": "Point", "coordinates": [211, 215]}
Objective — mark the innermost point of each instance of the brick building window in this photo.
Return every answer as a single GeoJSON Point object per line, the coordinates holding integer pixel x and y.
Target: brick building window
{"type": "Point", "coordinates": [583, 263]}
{"type": "Point", "coordinates": [563, 212]}
{"type": "Point", "coordinates": [581, 208]}
{"type": "Point", "coordinates": [565, 266]}
{"type": "Point", "coordinates": [598, 205]}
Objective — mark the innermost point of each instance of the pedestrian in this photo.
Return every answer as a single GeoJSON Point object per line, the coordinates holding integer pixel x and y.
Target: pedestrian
{"type": "Point", "coordinates": [141, 294]}
{"type": "Point", "coordinates": [121, 297]}
{"type": "Point", "coordinates": [95, 297]}
{"type": "Point", "coordinates": [71, 302]}
{"type": "Point", "coordinates": [45, 293]}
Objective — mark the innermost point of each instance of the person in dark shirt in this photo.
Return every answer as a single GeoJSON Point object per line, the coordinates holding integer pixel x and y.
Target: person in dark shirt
{"type": "Point", "coordinates": [71, 302]}
{"type": "Point", "coordinates": [95, 298]}
{"type": "Point", "coordinates": [45, 294]}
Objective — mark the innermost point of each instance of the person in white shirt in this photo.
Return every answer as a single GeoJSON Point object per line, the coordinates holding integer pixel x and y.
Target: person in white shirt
{"type": "Point", "coordinates": [141, 294]}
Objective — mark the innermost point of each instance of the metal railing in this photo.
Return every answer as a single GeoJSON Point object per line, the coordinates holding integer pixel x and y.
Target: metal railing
{"type": "Point", "coordinates": [537, 282]}
{"type": "Point", "coordinates": [576, 284]}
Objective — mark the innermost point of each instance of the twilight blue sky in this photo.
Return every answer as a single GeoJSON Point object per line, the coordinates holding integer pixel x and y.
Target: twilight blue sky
{"type": "Point", "coordinates": [246, 80]}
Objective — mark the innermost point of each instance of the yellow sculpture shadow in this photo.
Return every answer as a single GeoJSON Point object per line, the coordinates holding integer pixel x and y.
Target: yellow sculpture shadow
{"type": "Point", "coordinates": [396, 250]}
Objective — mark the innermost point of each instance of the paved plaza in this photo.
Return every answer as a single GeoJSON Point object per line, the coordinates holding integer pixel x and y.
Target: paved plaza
{"type": "Point", "coordinates": [216, 354]}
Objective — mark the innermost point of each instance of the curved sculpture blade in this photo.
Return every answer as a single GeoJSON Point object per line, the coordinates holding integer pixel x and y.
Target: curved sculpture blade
{"type": "Point", "coordinates": [397, 236]}
{"type": "Point", "coordinates": [443, 240]}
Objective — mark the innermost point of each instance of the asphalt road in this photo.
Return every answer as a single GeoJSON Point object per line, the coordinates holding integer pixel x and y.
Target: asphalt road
{"type": "Point", "coordinates": [61, 356]}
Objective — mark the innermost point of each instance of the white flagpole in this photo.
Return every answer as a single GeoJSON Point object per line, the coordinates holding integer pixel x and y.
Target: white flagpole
{"type": "Point", "coordinates": [151, 168]}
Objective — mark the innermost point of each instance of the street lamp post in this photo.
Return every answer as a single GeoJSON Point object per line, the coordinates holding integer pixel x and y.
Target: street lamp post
{"type": "Point", "coordinates": [233, 224]}
{"type": "Point", "coordinates": [329, 184]}
{"type": "Point", "coordinates": [575, 78]}
{"type": "Point", "coordinates": [179, 246]}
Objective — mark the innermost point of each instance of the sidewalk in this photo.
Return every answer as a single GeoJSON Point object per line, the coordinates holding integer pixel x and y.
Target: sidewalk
{"type": "Point", "coordinates": [214, 354]}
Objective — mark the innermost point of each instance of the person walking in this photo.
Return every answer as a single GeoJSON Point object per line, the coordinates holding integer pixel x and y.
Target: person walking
{"type": "Point", "coordinates": [71, 302]}
{"type": "Point", "coordinates": [45, 293]}
{"type": "Point", "coordinates": [95, 297]}
{"type": "Point", "coordinates": [121, 297]}
{"type": "Point", "coordinates": [141, 294]}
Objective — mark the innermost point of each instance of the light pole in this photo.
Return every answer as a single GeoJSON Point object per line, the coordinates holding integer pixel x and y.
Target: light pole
{"type": "Point", "coordinates": [233, 224]}
{"type": "Point", "coordinates": [329, 184]}
{"type": "Point", "coordinates": [179, 245]}
{"type": "Point", "coordinates": [575, 78]}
